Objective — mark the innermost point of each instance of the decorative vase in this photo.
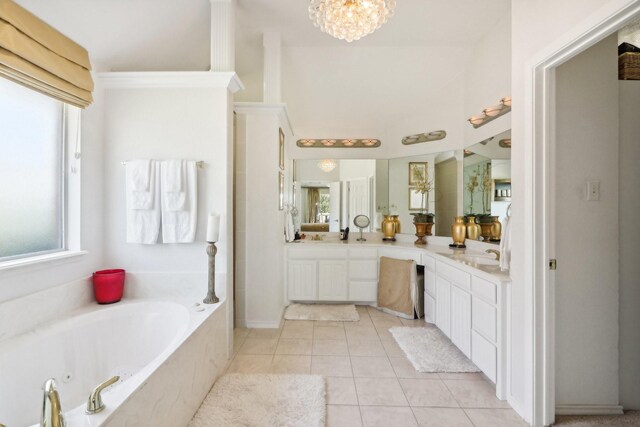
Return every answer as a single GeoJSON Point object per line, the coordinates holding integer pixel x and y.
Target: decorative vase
{"type": "Point", "coordinates": [473, 231]}
{"type": "Point", "coordinates": [421, 232]}
{"type": "Point", "coordinates": [496, 229]}
{"type": "Point", "coordinates": [396, 221]}
{"type": "Point", "coordinates": [389, 228]}
{"type": "Point", "coordinates": [458, 232]}
{"type": "Point", "coordinates": [429, 227]}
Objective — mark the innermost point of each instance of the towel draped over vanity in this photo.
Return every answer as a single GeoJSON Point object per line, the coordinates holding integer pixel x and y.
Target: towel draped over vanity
{"type": "Point", "coordinates": [398, 288]}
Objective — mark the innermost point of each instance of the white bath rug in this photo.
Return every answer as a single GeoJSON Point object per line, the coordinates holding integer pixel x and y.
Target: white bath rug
{"type": "Point", "coordinates": [263, 401]}
{"type": "Point", "coordinates": [429, 350]}
{"type": "Point", "coordinates": [335, 312]}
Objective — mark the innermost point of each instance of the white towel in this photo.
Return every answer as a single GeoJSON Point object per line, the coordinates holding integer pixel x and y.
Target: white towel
{"type": "Point", "coordinates": [289, 231]}
{"type": "Point", "coordinates": [505, 244]}
{"type": "Point", "coordinates": [143, 207]}
{"type": "Point", "coordinates": [179, 208]}
{"type": "Point", "coordinates": [138, 177]}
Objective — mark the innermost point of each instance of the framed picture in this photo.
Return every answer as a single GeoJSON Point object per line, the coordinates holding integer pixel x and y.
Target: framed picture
{"type": "Point", "coordinates": [281, 147]}
{"type": "Point", "coordinates": [415, 200]}
{"type": "Point", "coordinates": [281, 190]}
{"type": "Point", "coordinates": [417, 172]}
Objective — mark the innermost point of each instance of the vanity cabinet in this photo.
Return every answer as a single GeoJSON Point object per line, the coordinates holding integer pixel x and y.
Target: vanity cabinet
{"type": "Point", "coordinates": [332, 280]}
{"type": "Point", "coordinates": [429, 288]}
{"type": "Point", "coordinates": [302, 280]}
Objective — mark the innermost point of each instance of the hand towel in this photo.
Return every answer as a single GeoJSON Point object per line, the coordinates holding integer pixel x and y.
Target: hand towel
{"type": "Point", "coordinates": [173, 177]}
{"type": "Point", "coordinates": [179, 213]}
{"type": "Point", "coordinates": [138, 178]}
{"type": "Point", "coordinates": [143, 207]}
{"type": "Point", "coordinates": [289, 231]}
{"type": "Point", "coordinates": [505, 244]}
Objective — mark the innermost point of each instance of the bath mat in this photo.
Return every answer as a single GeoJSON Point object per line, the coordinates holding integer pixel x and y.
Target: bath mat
{"type": "Point", "coordinates": [335, 312]}
{"type": "Point", "coordinates": [263, 400]}
{"type": "Point", "coordinates": [429, 350]}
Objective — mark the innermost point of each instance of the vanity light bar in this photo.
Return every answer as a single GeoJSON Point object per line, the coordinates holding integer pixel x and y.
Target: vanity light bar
{"type": "Point", "coordinates": [435, 135]}
{"type": "Point", "coordinates": [338, 143]}
{"type": "Point", "coordinates": [491, 113]}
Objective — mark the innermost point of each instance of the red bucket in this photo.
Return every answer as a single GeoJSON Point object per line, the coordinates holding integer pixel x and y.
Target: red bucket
{"type": "Point", "coordinates": [108, 285]}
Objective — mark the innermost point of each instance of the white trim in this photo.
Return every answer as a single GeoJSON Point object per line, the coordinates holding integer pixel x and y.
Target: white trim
{"type": "Point", "coordinates": [589, 410]}
{"type": "Point", "coordinates": [261, 107]}
{"type": "Point", "coordinates": [39, 259]}
{"type": "Point", "coordinates": [261, 325]}
{"type": "Point", "coordinates": [171, 79]}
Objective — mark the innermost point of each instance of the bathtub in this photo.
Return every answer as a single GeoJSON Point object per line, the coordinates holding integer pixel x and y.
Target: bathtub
{"type": "Point", "coordinates": [167, 354]}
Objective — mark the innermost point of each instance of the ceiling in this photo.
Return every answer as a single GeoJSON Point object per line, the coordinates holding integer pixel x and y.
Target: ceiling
{"type": "Point", "coordinates": [163, 35]}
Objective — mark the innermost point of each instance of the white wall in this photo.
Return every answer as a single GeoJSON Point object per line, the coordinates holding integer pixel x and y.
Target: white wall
{"type": "Point", "coordinates": [308, 170]}
{"type": "Point", "coordinates": [629, 96]}
{"type": "Point", "coordinates": [586, 281]}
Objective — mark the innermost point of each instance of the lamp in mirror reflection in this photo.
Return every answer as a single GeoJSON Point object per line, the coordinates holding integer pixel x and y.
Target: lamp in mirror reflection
{"type": "Point", "coordinates": [327, 165]}
{"type": "Point", "coordinates": [338, 143]}
{"type": "Point", "coordinates": [505, 143]}
{"type": "Point", "coordinates": [424, 137]}
{"type": "Point", "coordinates": [491, 113]}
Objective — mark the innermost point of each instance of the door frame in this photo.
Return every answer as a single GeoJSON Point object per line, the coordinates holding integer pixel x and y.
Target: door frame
{"type": "Point", "coordinates": [539, 200]}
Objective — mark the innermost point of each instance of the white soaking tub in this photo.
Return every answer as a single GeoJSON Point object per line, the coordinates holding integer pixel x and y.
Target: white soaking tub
{"type": "Point", "coordinates": [144, 342]}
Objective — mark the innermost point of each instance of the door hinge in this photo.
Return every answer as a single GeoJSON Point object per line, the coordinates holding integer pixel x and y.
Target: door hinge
{"type": "Point", "coordinates": [552, 264]}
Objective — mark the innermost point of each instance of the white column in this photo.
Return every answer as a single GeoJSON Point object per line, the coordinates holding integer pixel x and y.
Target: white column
{"type": "Point", "coordinates": [223, 15]}
{"type": "Point", "coordinates": [272, 45]}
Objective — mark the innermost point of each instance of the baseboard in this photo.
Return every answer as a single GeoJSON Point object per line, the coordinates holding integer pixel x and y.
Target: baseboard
{"type": "Point", "coordinates": [589, 410]}
{"type": "Point", "coordinates": [262, 324]}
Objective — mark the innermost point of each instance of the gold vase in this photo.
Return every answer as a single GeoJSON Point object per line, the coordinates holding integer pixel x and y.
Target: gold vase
{"type": "Point", "coordinates": [421, 232]}
{"type": "Point", "coordinates": [496, 229]}
{"type": "Point", "coordinates": [396, 221]}
{"type": "Point", "coordinates": [458, 231]}
{"type": "Point", "coordinates": [389, 227]}
{"type": "Point", "coordinates": [473, 231]}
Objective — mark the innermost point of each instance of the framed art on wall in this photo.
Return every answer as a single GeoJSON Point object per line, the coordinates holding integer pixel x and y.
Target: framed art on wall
{"type": "Point", "coordinates": [417, 172]}
{"type": "Point", "coordinates": [281, 191]}
{"type": "Point", "coordinates": [415, 200]}
{"type": "Point", "coordinates": [281, 147]}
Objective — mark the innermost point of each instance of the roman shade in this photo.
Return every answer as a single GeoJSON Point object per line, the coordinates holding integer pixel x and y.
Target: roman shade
{"type": "Point", "coordinates": [36, 55]}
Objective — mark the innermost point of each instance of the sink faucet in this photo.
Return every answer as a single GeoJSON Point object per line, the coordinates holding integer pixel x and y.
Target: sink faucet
{"type": "Point", "coordinates": [94, 403]}
{"type": "Point", "coordinates": [51, 409]}
{"type": "Point", "coordinates": [495, 252]}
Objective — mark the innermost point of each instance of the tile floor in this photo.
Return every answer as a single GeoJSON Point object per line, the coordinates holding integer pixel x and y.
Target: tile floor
{"type": "Point", "coordinates": [370, 382]}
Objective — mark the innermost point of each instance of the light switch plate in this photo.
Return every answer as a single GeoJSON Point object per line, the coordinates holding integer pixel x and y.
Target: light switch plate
{"type": "Point", "coordinates": [593, 190]}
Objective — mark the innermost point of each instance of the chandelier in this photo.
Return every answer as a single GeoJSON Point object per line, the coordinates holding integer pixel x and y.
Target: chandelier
{"type": "Point", "coordinates": [350, 19]}
{"type": "Point", "coordinates": [327, 165]}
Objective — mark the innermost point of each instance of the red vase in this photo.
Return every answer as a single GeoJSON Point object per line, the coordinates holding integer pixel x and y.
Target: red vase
{"type": "Point", "coordinates": [108, 285]}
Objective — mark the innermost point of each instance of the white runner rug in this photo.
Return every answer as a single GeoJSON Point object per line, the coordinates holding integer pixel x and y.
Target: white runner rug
{"type": "Point", "coordinates": [263, 400]}
{"type": "Point", "coordinates": [335, 312]}
{"type": "Point", "coordinates": [429, 350]}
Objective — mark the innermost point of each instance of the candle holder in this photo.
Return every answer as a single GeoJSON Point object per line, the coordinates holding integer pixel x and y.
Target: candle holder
{"type": "Point", "coordinates": [211, 297]}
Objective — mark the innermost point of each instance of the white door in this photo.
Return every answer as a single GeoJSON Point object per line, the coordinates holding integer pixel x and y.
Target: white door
{"type": "Point", "coordinates": [443, 305]}
{"type": "Point", "coordinates": [302, 281]}
{"type": "Point", "coordinates": [359, 199]}
{"type": "Point", "coordinates": [334, 206]}
{"type": "Point", "coordinates": [461, 320]}
{"type": "Point", "coordinates": [332, 280]}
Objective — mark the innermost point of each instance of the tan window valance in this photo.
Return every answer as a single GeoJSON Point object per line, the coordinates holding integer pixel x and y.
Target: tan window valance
{"type": "Point", "coordinates": [38, 56]}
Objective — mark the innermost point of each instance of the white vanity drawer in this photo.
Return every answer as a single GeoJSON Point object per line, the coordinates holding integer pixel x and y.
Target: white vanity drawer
{"type": "Point", "coordinates": [429, 308]}
{"type": "Point", "coordinates": [484, 355]}
{"type": "Point", "coordinates": [363, 269]}
{"type": "Point", "coordinates": [363, 291]}
{"type": "Point", "coordinates": [363, 253]}
{"type": "Point", "coordinates": [317, 253]}
{"type": "Point", "coordinates": [430, 282]}
{"type": "Point", "coordinates": [484, 289]}
{"type": "Point", "coordinates": [455, 276]}
{"type": "Point", "coordinates": [428, 262]}
{"type": "Point", "coordinates": [401, 254]}
{"type": "Point", "coordinates": [484, 319]}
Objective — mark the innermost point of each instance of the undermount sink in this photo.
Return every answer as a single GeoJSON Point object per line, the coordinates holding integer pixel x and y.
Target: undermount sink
{"type": "Point", "coordinates": [481, 260]}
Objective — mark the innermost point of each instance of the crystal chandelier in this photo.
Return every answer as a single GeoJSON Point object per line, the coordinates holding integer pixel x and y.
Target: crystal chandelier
{"type": "Point", "coordinates": [327, 165]}
{"type": "Point", "coordinates": [350, 19]}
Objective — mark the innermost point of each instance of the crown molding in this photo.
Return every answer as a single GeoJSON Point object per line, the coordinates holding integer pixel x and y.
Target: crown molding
{"type": "Point", "coordinates": [261, 107]}
{"type": "Point", "coordinates": [171, 79]}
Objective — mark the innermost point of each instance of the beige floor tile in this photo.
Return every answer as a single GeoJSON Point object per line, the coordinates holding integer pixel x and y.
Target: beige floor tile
{"type": "Point", "coordinates": [240, 333]}
{"type": "Point", "coordinates": [343, 416]}
{"type": "Point", "coordinates": [383, 416]}
{"type": "Point", "coordinates": [380, 392]}
{"type": "Point", "coordinates": [441, 417]}
{"type": "Point", "coordinates": [372, 367]}
{"type": "Point", "coordinates": [362, 310]}
{"type": "Point", "coordinates": [386, 322]}
{"type": "Point", "coordinates": [393, 349]}
{"type": "Point", "coordinates": [341, 391]}
{"type": "Point", "coordinates": [361, 333]}
{"type": "Point", "coordinates": [294, 346]}
{"type": "Point", "coordinates": [330, 348]}
{"type": "Point", "coordinates": [250, 364]}
{"type": "Point", "coordinates": [473, 376]}
{"type": "Point", "coordinates": [258, 346]}
{"type": "Point", "coordinates": [237, 343]}
{"type": "Point", "coordinates": [328, 333]}
{"type": "Point", "coordinates": [297, 331]}
{"type": "Point", "coordinates": [495, 418]}
{"type": "Point", "coordinates": [367, 348]}
{"type": "Point", "coordinates": [474, 394]}
{"type": "Point", "coordinates": [264, 333]}
{"type": "Point", "coordinates": [417, 323]}
{"type": "Point", "coordinates": [331, 366]}
{"type": "Point", "coordinates": [328, 323]}
{"type": "Point", "coordinates": [433, 393]}
{"type": "Point", "coordinates": [299, 322]}
{"type": "Point", "coordinates": [404, 369]}
{"type": "Point", "coordinates": [385, 335]}
{"type": "Point", "coordinates": [364, 321]}
{"type": "Point", "coordinates": [284, 364]}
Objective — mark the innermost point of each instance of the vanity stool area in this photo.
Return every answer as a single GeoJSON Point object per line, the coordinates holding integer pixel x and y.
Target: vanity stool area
{"type": "Point", "coordinates": [465, 293]}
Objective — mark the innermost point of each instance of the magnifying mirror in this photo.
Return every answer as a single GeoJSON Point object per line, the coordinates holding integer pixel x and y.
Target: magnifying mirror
{"type": "Point", "coordinates": [362, 222]}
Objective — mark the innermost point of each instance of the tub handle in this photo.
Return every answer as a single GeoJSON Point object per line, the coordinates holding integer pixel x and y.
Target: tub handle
{"type": "Point", "coordinates": [94, 404]}
{"type": "Point", "coordinates": [51, 409]}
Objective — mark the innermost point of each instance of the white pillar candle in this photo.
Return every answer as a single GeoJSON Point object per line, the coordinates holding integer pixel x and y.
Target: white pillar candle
{"type": "Point", "coordinates": [213, 227]}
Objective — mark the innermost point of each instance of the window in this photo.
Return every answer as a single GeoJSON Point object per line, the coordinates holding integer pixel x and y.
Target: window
{"type": "Point", "coordinates": [32, 196]}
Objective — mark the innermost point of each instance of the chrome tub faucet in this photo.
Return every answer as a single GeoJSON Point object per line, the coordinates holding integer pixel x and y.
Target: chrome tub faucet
{"type": "Point", "coordinates": [94, 403]}
{"type": "Point", "coordinates": [495, 252]}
